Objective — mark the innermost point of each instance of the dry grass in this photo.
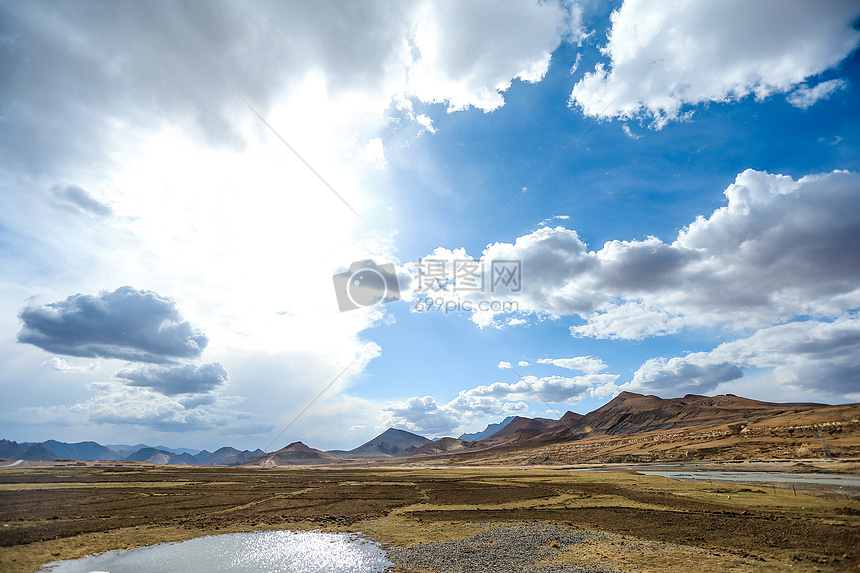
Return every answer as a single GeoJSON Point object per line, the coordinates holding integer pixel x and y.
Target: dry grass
{"type": "Point", "coordinates": [650, 523]}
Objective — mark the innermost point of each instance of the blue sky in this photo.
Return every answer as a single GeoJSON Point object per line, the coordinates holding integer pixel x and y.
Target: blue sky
{"type": "Point", "coordinates": [168, 260]}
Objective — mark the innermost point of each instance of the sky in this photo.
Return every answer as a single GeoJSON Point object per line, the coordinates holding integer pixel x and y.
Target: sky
{"type": "Point", "coordinates": [562, 200]}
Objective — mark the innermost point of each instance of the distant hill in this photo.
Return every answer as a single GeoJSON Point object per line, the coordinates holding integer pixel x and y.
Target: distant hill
{"type": "Point", "coordinates": [226, 456]}
{"type": "Point", "coordinates": [390, 443]}
{"type": "Point", "coordinates": [487, 432]}
{"type": "Point", "coordinates": [296, 453]}
{"type": "Point", "coordinates": [91, 451]}
{"type": "Point", "coordinates": [630, 413]}
{"type": "Point", "coordinates": [634, 428]}
{"type": "Point", "coordinates": [630, 428]}
{"type": "Point", "coordinates": [32, 452]}
{"type": "Point", "coordinates": [516, 431]}
{"type": "Point", "coordinates": [161, 457]}
{"type": "Point", "coordinates": [444, 446]}
{"type": "Point", "coordinates": [178, 451]}
{"type": "Point", "coordinates": [80, 451]}
{"type": "Point", "coordinates": [125, 450]}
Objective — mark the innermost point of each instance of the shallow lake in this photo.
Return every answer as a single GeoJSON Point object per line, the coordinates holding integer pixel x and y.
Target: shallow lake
{"type": "Point", "coordinates": [270, 551]}
{"type": "Point", "coordinates": [761, 477]}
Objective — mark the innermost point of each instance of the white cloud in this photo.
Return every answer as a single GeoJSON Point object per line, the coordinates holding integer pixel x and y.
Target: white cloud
{"type": "Point", "coordinates": [466, 53]}
{"type": "Point", "coordinates": [804, 96]}
{"type": "Point", "coordinates": [523, 363]}
{"type": "Point", "coordinates": [116, 404]}
{"type": "Point", "coordinates": [779, 248]}
{"type": "Point", "coordinates": [420, 415]}
{"type": "Point", "coordinates": [626, 129]}
{"type": "Point", "coordinates": [62, 365]}
{"type": "Point", "coordinates": [549, 220]}
{"type": "Point", "coordinates": [197, 198]}
{"type": "Point", "coordinates": [374, 153]}
{"type": "Point", "coordinates": [553, 389]}
{"type": "Point", "coordinates": [587, 364]}
{"type": "Point", "coordinates": [665, 54]}
{"type": "Point", "coordinates": [811, 355]}
{"type": "Point", "coordinates": [630, 321]}
{"type": "Point", "coordinates": [499, 399]}
{"type": "Point", "coordinates": [503, 364]}
{"type": "Point", "coordinates": [367, 56]}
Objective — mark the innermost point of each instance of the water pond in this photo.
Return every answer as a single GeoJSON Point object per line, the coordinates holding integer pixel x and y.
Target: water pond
{"type": "Point", "coordinates": [760, 477]}
{"type": "Point", "coordinates": [270, 551]}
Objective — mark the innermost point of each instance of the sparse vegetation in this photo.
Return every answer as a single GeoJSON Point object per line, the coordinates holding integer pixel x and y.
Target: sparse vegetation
{"type": "Point", "coordinates": [652, 523]}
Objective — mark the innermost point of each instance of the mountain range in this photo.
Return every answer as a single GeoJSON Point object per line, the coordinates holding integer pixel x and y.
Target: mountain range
{"type": "Point", "coordinates": [628, 428]}
{"type": "Point", "coordinates": [52, 450]}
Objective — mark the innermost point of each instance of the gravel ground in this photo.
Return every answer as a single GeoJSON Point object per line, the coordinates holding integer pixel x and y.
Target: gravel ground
{"type": "Point", "coordinates": [514, 549]}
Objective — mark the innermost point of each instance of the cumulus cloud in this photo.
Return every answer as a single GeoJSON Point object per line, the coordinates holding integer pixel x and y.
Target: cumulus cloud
{"type": "Point", "coordinates": [668, 54]}
{"type": "Point", "coordinates": [630, 321]}
{"type": "Point", "coordinates": [128, 324]}
{"type": "Point", "coordinates": [682, 375]}
{"type": "Point", "coordinates": [463, 64]}
{"type": "Point", "coordinates": [554, 389]}
{"type": "Point", "coordinates": [114, 403]}
{"type": "Point", "coordinates": [424, 414]}
{"type": "Point", "coordinates": [60, 365]}
{"type": "Point", "coordinates": [804, 96]}
{"type": "Point", "coordinates": [503, 364]}
{"type": "Point", "coordinates": [523, 363]}
{"type": "Point", "coordinates": [813, 355]}
{"type": "Point", "coordinates": [587, 364]}
{"type": "Point", "coordinates": [171, 381]}
{"type": "Point", "coordinates": [75, 76]}
{"type": "Point", "coordinates": [419, 414]}
{"type": "Point", "coordinates": [374, 153]}
{"type": "Point", "coordinates": [779, 248]}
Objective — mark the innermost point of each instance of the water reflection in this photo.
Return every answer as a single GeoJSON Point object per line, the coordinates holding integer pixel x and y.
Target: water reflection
{"type": "Point", "coordinates": [271, 551]}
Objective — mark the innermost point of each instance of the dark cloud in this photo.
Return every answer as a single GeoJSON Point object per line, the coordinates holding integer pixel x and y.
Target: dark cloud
{"type": "Point", "coordinates": [679, 376]}
{"type": "Point", "coordinates": [779, 248]}
{"type": "Point", "coordinates": [818, 356]}
{"type": "Point", "coordinates": [128, 324]}
{"type": "Point", "coordinates": [69, 69]}
{"type": "Point", "coordinates": [188, 379]}
{"type": "Point", "coordinates": [72, 72]}
{"type": "Point", "coordinates": [83, 200]}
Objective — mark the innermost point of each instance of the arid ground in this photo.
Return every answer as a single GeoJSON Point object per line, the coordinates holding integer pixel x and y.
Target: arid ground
{"type": "Point", "coordinates": [48, 512]}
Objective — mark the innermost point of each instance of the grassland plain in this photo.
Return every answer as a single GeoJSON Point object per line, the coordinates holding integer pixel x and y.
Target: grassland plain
{"type": "Point", "coordinates": [640, 523]}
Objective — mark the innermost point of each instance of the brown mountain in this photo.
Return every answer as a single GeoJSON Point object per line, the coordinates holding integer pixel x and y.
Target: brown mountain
{"type": "Point", "coordinates": [443, 446]}
{"type": "Point", "coordinates": [569, 419]}
{"type": "Point", "coordinates": [390, 443]}
{"type": "Point", "coordinates": [635, 428]}
{"type": "Point", "coordinates": [630, 413]}
{"type": "Point", "coordinates": [296, 454]}
{"type": "Point", "coordinates": [523, 425]}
